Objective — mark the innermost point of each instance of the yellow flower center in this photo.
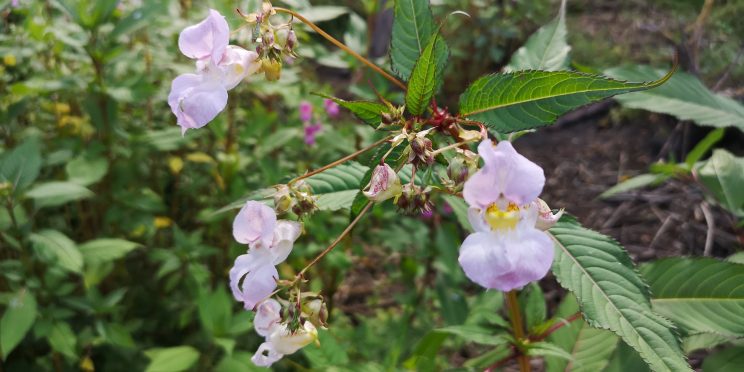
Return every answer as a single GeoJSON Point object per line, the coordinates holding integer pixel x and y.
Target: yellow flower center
{"type": "Point", "coordinates": [502, 219]}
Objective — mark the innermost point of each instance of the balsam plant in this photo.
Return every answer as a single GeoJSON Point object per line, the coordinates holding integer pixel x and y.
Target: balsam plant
{"type": "Point", "coordinates": [426, 151]}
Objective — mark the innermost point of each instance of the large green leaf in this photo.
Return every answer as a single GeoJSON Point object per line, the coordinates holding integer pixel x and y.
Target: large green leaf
{"type": "Point", "coordinates": [52, 194]}
{"type": "Point", "coordinates": [728, 360]}
{"type": "Point", "coordinates": [172, 359]}
{"type": "Point", "coordinates": [337, 187]}
{"type": "Point", "coordinates": [85, 170]}
{"type": "Point", "coordinates": [612, 295]}
{"type": "Point", "coordinates": [590, 348]}
{"type": "Point", "coordinates": [368, 112]}
{"type": "Point", "coordinates": [529, 99]}
{"type": "Point", "coordinates": [426, 75]}
{"type": "Point", "coordinates": [60, 246]}
{"type": "Point", "coordinates": [625, 359]}
{"type": "Point", "coordinates": [698, 294]}
{"type": "Point", "coordinates": [413, 25]}
{"type": "Point", "coordinates": [546, 49]}
{"type": "Point", "coordinates": [683, 96]}
{"type": "Point", "coordinates": [21, 165]}
{"type": "Point", "coordinates": [723, 175]}
{"type": "Point", "coordinates": [18, 318]}
{"type": "Point", "coordinates": [105, 250]}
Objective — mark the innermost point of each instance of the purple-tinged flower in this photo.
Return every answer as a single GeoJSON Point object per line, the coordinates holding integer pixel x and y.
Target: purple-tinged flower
{"type": "Point", "coordinates": [280, 341]}
{"type": "Point", "coordinates": [253, 276]}
{"type": "Point", "coordinates": [506, 251]}
{"type": "Point", "coordinates": [383, 185]}
{"type": "Point", "coordinates": [196, 99]}
{"type": "Point", "coordinates": [306, 111]}
{"type": "Point", "coordinates": [331, 107]}
{"type": "Point", "coordinates": [310, 132]}
{"type": "Point", "coordinates": [427, 214]}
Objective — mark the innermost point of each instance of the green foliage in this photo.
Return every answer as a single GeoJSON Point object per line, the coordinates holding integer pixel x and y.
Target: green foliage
{"type": "Point", "coordinates": [547, 49]}
{"type": "Point", "coordinates": [612, 295]}
{"type": "Point", "coordinates": [634, 183]}
{"type": "Point", "coordinates": [426, 75]}
{"type": "Point", "coordinates": [105, 250]}
{"type": "Point", "coordinates": [59, 246]}
{"type": "Point", "coordinates": [522, 100]}
{"type": "Point", "coordinates": [682, 96]}
{"type": "Point", "coordinates": [699, 295]}
{"type": "Point", "coordinates": [53, 194]}
{"type": "Point", "coordinates": [21, 166]}
{"type": "Point", "coordinates": [532, 302]}
{"type": "Point", "coordinates": [172, 359]}
{"type": "Point", "coordinates": [723, 175]}
{"type": "Point", "coordinates": [413, 26]}
{"type": "Point", "coordinates": [17, 320]}
{"type": "Point", "coordinates": [728, 360]}
{"type": "Point", "coordinates": [368, 112]}
{"type": "Point", "coordinates": [337, 187]}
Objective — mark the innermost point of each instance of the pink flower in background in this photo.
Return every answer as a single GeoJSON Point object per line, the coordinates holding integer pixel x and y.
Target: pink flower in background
{"type": "Point", "coordinates": [306, 111]}
{"type": "Point", "coordinates": [15, 3]}
{"type": "Point", "coordinates": [254, 275]}
{"type": "Point", "coordinates": [279, 340]}
{"type": "Point", "coordinates": [311, 131]}
{"type": "Point", "coordinates": [196, 99]}
{"type": "Point", "coordinates": [331, 107]}
{"type": "Point", "coordinates": [506, 251]}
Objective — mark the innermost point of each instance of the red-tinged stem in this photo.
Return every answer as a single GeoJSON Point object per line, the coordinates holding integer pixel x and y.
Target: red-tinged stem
{"type": "Point", "coordinates": [518, 329]}
{"type": "Point", "coordinates": [557, 326]}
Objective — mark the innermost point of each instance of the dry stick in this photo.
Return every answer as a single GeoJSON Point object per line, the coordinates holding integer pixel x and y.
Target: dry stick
{"type": "Point", "coordinates": [339, 161]}
{"type": "Point", "coordinates": [518, 328]}
{"type": "Point", "coordinates": [342, 46]}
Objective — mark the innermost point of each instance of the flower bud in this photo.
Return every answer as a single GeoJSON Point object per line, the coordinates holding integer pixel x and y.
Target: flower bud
{"type": "Point", "coordinates": [414, 200]}
{"type": "Point", "coordinates": [384, 184]}
{"type": "Point", "coordinates": [545, 216]}
{"type": "Point", "coordinates": [421, 151]}
{"type": "Point", "coordinates": [314, 310]}
{"type": "Point", "coordinates": [282, 199]}
{"type": "Point", "coordinates": [287, 342]}
{"type": "Point", "coordinates": [272, 69]}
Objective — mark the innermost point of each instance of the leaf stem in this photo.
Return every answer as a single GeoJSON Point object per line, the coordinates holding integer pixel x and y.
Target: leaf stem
{"type": "Point", "coordinates": [557, 326]}
{"type": "Point", "coordinates": [342, 46]}
{"type": "Point", "coordinates": [339, 161]}
{"type": "Point", "coordinates": [517, 327]}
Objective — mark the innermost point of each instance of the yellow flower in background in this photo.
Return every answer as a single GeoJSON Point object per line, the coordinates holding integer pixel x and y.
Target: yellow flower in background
{"type": "Point", "coordinates": [175, 164]}
{"type": "Point", "coordinates": [9, 60]}
{"type": "Point", "coordinates": [162, 222]}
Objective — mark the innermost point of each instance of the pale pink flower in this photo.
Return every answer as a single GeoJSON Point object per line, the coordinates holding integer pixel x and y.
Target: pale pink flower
{"type": "Point", "coordinates": [311, 131]}
{"type": "Point", "coordinates": [506, 251]}
{"type": "Point", "coordinates": [279, 340]}
{"type": "Point", "coordinates": [383, 185]}
{"type": "Point", "coordinates": [331, 107]}
{"type": "Point", "coordinates": [306, 111]}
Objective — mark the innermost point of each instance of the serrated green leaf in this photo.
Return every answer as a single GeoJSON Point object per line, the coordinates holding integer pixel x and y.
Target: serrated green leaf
{"type": "Point", "coordinates": [683, 96]}
{"type": "Point", "coordinates": [426, 75]}
{"type": "Point", "coordinates": [698, 294]}
{"type": "Point", "coordinates": [172, 359]}
{"type": "Point", "coordinates": [21, 165]}
{"type": "Point", "coordinates": [723, 175]}
{"type": "Point", "coordinates": [413, 25]}
{"type": "Point", "coordinates": [52, 194]}
{"type": "Point", "coordinates": [105, 250]}
{"type": "Point", "coordinates": [590, 348]}
{"type": "Point", "coordinates": [368, 112]}
{"type": "Point", "coordinates": [728, 360]}
{"type": "Point", "coordinates": [337, 187]}
{"type": "Point", "coordinates": [529, 99]}
{"type": "Point", "coordinates": [67, 254]}
{"type": "Point", "coordinates": [637, 182]}
{"type": "Point", "coordinates": [612, 295]}
{"type": "Point", "coordinates": [17, 319]}
{"type": "Point", "coordinates": [546, 49]}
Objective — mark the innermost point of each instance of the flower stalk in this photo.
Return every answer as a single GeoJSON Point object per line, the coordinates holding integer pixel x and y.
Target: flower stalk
{"type": "Point", "coordinates": [518, 328]}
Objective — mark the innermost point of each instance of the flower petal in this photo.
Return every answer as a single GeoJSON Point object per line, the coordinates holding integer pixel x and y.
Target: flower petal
{"type": "Point", "coordinates": [483, 258]}
{"type": "Point", "coordinates": [258, 285]}
{"type": "Point", "coordinates": [245, 263]}
{"type": "Point", "coordinates": [195, 101]}
{"type": "Point", "coordinates": [480, 189]}
{"type": "Point", "coordinates": [285, 234]}
{"type": "Point", "coordinates": [519, 179]}
{"type": "Point", "coordinates": [268, 316]}
{"type": "Point", "coordinates": [287, 343]}
{"type": "Point", "coordinates": [477, 221]}
{"type": "Point", "coordinates": [254, 224]}
{"type": "Point", "coordinates": [266, 355]}
{"type": "Point", "coordinates": [236, 64]}
{"type": "Point", "coordinates": [531, 255]}
{"type": "Point", "coordinates": [206, 39]}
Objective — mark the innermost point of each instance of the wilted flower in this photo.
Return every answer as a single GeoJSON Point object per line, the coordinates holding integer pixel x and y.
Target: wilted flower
{"type": "Point", "coordinates": [384, 184]}
{"type": "Point", "coordinates": [506, 251]}
{"type": "Point", "coordinates": [545, 216]}
{"type": "Point", "coordinates": [280, 341]}
{"type": "Point", "coordinates": [254, 275]}
{"type": "Point", "coordinates": [421, 149]}
{"type": "Point", "coordinates": [331, 107]}
{"type": "Point", "coordinates": [197, 98]}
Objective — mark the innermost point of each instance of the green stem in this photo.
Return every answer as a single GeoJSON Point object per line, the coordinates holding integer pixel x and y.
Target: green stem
{"type": "Point", "coordinates": [518, 329]}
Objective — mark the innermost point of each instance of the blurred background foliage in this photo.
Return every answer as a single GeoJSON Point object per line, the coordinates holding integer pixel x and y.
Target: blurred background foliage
{"type": "Point", "coordinates": [114, 242]}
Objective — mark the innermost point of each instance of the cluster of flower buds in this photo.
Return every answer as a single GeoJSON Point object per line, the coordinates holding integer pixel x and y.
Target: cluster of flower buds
{"type": "Point", "coordinates": [276, 44]}
{"type": "Point", "coordinates": [284, 335]}
{"type": "Point", "coordinates": [415, 200]}
{"type": "Point", "coordinates": [393, 117]}
{"type": "Point", "coordinates": [296, 197]}
{"type": "Point", "coordinates": [460, 167]}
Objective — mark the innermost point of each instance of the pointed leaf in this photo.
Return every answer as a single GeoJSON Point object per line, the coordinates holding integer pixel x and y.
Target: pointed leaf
{"type": "Point", "coordinates": [52, 194]}
{"type": "Point", "coordinates": [683, 96]}
{"type": "Point", "coordinates": [728, 360]}
{"type": "Point", "coordinates": [337, 187]}
{"type": "Point", "coordinates": [698, 294]}
{"type": "Point", "coordinates": [529, 99]}
{"type": "Point", "coordinates": [18, 318]}
{"type": "Point", "coordinates": [21, 165]}
{"type": "Point", "coordinates": [368, 112]}
{"type": "Point", "coordinates": [105, 250]}
{"type": "Point", "coordinates": [723, 175]}
{"type": "Point", "coordinates": [546, 49]}
{"type": "Point", "coordinates": [426, 75]}
{"type": "Point", "coordinates": [172, 359]}
{"type": "Point", "coordinates": [612, 295]}
{"type": "Point", "coordinates": [57, 244]}
{"type": "Point", "coordinates": [413, 25]}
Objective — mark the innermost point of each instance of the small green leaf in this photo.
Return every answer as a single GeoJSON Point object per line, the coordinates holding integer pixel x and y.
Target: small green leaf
{"type": "Point", "coordinates": [215, 312]}
{"type": "Point", "coordinates": [637, 182]}
{"type": "Point", "coordinates": [683, 96]}
{"type": "Point", "coordinates": [612, 295]}
{"type": "Point", "coordinates": [723, 175]}
{"type": "Point", "coordinates": [52, 194]}
{"type": "Point", "coordinates": [727, 360]}
{"type": "Point", "coordinates": [54, 242]}
{"type": "Point", "coordinates": [413, 25]}
{"type": "Point", "coordinates": [105, 250]}
{"type": "Point", "coordinates": [704, 341]}
{"type": "Point", "coordinates": [698, 294]}
{"type": "Point", "coordinates": [21, 165]}
{"type": "Point", "coordinates": [172, 359]}
{"type": "Point", "coordinates": [86, 171]}
{"type": "Point", "coordinates": [331, 352]}
{"type": "Point", "coordinates": [704, 146]}
{"type": "Point", "coordinates": [523, 100]}
{"type": "Point", "coordinates": [546, 49]}
{"type": "Point", "coordinates": [475, 333]}
{"type": "Point", "coordinates": [18, 318]}
{"type": "Point", "coordinates": [545, 349]}
{"type": "Point", "coordinates": [532, 303]}
{"type": "Point", "coordinates": [368, 112]}
{"type": "Point", "coordinates": [63, 340]}
{"type": "Point", "coordinates": [426, 75]}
